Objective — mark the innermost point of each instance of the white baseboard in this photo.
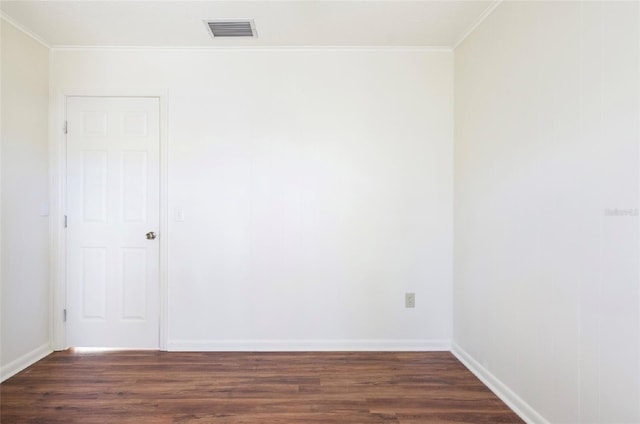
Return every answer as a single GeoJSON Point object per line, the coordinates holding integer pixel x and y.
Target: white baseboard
{"type": "Point", "coordinates": [307, 345]}
{"type": "Point", "coordinates": [29, 358]}
{"type": "Point", "coordinates": [515, 402]}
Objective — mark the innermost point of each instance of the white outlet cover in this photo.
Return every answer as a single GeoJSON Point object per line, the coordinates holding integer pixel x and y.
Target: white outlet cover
{"type": "Point", "coordinates": [410, 300]}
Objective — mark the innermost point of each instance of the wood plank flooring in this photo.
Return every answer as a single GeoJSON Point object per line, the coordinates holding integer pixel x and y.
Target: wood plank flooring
{"type": "Point", "coordinates": [310, 387]}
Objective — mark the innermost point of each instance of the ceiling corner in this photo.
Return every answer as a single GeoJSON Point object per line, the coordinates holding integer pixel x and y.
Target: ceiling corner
{"type": "Point", "coordinates": [476, 23]}
{"type": "Point", "coordinates": [25, 30]}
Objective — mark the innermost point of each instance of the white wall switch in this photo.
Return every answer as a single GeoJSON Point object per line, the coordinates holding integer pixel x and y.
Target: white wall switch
{"type": "Point", "coordinates": [179, 215]}
{"type": "Point", "coordinates": [44, 209]}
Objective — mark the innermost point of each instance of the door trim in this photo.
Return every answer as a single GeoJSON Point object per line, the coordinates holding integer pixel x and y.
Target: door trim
{"type": "Point", "coordinates": [57, 205]}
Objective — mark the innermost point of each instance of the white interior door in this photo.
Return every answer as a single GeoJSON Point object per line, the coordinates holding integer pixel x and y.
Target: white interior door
{"type": "Point", "coordinates": [113, 191]}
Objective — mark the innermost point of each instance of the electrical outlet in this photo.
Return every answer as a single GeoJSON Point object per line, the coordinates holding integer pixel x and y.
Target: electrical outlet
{"type": "Point", "coordinates": [409, 300]}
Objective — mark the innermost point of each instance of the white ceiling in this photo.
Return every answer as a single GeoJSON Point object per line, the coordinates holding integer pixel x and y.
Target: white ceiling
{"type": "Point", "coordinates": [357, 23]}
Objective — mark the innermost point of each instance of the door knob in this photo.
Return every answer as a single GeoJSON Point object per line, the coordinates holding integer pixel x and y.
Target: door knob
{"type": "Point", "coordinates": [151, 235]}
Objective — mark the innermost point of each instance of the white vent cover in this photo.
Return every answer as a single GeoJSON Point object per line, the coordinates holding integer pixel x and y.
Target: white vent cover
{"type": "Point", "coordinates": [232, 28]}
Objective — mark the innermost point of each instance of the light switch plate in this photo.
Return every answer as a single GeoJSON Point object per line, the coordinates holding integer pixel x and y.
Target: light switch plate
{"type": "Point", "coordinates": [179, 215]}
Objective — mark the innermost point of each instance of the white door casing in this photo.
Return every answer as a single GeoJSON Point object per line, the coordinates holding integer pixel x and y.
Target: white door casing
{"type": "Point", "coordinates": [113, 198]}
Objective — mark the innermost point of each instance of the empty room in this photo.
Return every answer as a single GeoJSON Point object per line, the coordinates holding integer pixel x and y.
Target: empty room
{"type": "Point", "coordinates": [318, 211]}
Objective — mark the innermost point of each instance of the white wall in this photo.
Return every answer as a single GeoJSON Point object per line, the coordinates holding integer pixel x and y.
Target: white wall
{"type": "Point", "coordinates": [316, 188]}
{"type": "Point", "coordinates": [546, 292]}
{"type": "Point", "coordinates": [24, 330]}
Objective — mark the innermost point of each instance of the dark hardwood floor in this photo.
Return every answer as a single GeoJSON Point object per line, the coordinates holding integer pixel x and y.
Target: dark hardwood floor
{"type": "Point", "coordinates": [318, 387]}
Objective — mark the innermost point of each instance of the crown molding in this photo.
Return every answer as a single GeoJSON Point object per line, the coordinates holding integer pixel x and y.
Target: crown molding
{"type": "Point", "coordinates": [476, 23]}
{"type": "Point", "coordinates": [255, 48]}
{"type": "Point", "coordinates": [23, 29]}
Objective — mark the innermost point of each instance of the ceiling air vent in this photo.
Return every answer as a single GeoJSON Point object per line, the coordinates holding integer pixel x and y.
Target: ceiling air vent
{"type": "Point", "coordinates": [232, 28]}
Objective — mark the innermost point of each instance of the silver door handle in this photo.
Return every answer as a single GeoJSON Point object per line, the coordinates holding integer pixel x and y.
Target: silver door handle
{"type": "Point", "coordinates": [151, 235]}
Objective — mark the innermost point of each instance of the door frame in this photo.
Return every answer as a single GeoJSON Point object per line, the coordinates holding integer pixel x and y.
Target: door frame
{"type": "Point", "coordinates": [57, 208]}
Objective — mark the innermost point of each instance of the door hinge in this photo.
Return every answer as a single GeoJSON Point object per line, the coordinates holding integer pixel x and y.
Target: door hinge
{"type": "Point", "coordinates": [65, 221]}
{"type": "Point", "coordinates": [65, 127]}
{"type": "Point", "coordinates": [64, 315]}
